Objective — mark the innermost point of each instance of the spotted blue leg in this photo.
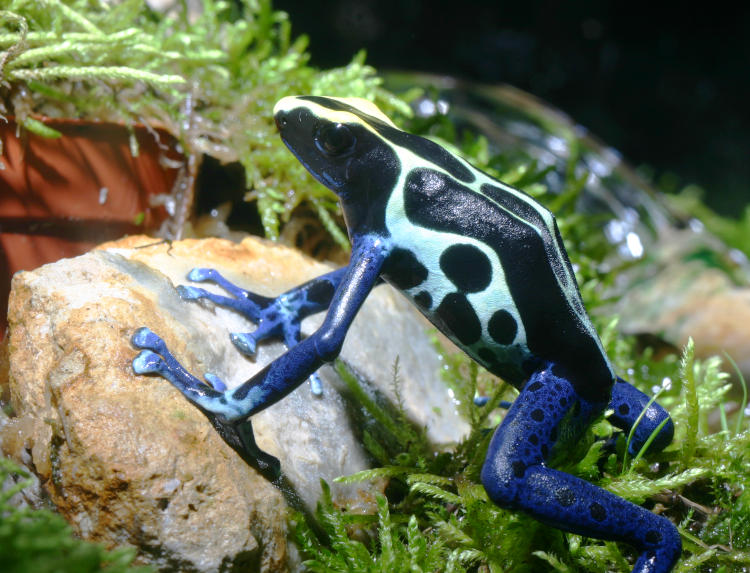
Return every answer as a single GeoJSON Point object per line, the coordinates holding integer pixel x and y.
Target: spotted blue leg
{"type": "Point", "coordinates": [631, 407]}
{"type": "Point", "coordinates": [230, 409]}
{"type": "Point", "coordinates": [279, 317]}
{"type": "Point", "coordinates": [516, 476]}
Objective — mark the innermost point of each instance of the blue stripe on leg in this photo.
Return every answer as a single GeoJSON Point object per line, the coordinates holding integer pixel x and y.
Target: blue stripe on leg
{"type": "Point", "coordinates": [515, 475]}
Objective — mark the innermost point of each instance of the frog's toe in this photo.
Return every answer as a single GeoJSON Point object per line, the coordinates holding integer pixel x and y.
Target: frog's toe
{"type": "Point", "coordinates": [217, 383]}
{"type": "Point", "coordinates": [316, 384]}
{"type": "Point", "coordinates": [148, 362]}
{"type": "Point", "coordinates": [190, 292]}
{"type": "Point", "coordinates": [145, 338]}
{"type": "Point", "coordinates": [199, 274]}
{"type": "Point", "coordinates": [245, 342]}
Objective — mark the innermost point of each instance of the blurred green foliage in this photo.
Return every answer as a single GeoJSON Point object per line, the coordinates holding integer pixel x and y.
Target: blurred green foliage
{"type": "Point", "coordinates": [211, 78]}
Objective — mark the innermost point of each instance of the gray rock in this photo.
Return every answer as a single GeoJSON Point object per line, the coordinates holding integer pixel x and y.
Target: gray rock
{"type": "Point", "coordinates": [127, 459]}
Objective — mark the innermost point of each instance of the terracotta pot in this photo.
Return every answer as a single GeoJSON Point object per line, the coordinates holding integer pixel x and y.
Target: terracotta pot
{"type": "Point", "coordinates": [60, 197]}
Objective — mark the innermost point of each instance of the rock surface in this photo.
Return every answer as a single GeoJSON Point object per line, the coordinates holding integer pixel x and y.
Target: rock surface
{"type": "Point", "coordinates": [686, 293]}
{"type": "Point", "coordinates": [128, 460]}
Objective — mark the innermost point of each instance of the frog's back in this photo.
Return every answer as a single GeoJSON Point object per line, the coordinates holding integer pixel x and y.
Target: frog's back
{"type": "Point", "coordinates": [486, 264]}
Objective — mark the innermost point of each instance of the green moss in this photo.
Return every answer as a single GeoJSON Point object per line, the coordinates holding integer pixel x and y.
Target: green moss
{"type": "Point", "coordinates": [211, 78]}
{"type": "Point", "coordinates": [41, 540]}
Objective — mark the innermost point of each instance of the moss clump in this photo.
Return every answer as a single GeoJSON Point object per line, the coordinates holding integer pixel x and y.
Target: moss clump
{"type": "Point", "coordinates": [211, 78]}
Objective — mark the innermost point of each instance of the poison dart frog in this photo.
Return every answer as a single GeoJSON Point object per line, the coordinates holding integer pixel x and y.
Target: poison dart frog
{"type": "Point", "coordinates": [485, 263]}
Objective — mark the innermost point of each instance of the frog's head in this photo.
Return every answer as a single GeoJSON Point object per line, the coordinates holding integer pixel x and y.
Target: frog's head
{"type": "Point", "coordinates": [338, 140]}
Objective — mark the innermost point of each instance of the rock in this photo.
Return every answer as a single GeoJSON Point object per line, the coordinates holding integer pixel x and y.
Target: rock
{"type": "Point", "coordinates": [685, 292]}
{"type": "Point", "coordinates": [127, 459]}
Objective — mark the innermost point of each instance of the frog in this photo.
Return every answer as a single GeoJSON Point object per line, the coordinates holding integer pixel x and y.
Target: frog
{"type": "Point", "coordinates": [486, 264]}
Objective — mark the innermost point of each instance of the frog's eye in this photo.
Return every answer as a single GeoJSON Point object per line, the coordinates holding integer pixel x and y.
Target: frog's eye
{"type": "Point", "coordinates": [335, 139]}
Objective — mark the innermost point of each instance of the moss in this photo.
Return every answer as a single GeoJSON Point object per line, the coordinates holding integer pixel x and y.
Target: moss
{"type": "Point", "coordinates": [211, 78]}
{"type": "Point", "coordinates": [41, 540]}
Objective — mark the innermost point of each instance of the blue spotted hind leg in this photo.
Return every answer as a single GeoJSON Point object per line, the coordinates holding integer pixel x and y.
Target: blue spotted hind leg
{"type": "Point", "coordinates": [638, 415]}
{"type": "Point", "coordinates": [279, 317]}
{"type": "Point", "coordinates": [515, 475]}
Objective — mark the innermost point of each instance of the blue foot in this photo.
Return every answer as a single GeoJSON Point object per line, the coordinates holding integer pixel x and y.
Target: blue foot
{"type": "Point", "coordinates": [245, 342]}
{"type": "Point", "coordinates": [216, 382]}
{"type": "Point", "coordinates": [275, 318]}
{"type": "Point", "coordinates": [212, 399]}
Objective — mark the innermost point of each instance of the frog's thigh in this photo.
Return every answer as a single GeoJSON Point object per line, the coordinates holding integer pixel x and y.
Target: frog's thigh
{"type": "Point", "coordinates": [515, 476]}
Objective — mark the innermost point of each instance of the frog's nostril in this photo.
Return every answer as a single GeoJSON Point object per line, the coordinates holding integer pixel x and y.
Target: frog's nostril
{"type": "Point", "coordinates": [281, 120]}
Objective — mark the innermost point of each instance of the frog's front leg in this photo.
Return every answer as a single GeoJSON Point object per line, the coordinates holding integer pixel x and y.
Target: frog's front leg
{"type": "Point", "coordinates": [279, 317]}
{"type": "Point", "coordinates": [289, 370]}
{"type": "Point", "coordinates": [157, 359]}
{"type": "Point", "coordinates": [515, 475]}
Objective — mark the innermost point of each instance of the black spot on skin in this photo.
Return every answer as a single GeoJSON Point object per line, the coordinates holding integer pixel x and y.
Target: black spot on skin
{"type": "Point", "coordinates": [519, 468]}
{"type": "Point", "coordinates": [222, 400]}
{"type": "Point", "coordinates": [624, 409]}
{"type": "Point", "coordinates": [537, 415]}
{"type": "Point", "coordinates": [403, 270]}
{"type": "Point", "coordinates": [545, 450]}
{"type": "Point", "coordinates": [502, 327]}
{"type": "Point", "coordinates": [419, 145]}
{"type": "Point", "coordinates": [321, 292]}
{"type": "Point", "coordinates": [565, 497]}
{"type": "Point", "coordinates": [424, 299]}
{"type": "Point", "coordinates": [459, 318]}
{"type": "Point", "coordinates": [653, 536]}
{"type": "Point", "coordinates": [534, 439]}
{"type": "Point", "coordinates": [467, 267]}
{"type": "Point", "coordinates": [553, 435]}
{"type": "Point", "coordinates": [534, 387]}
{"type": "Point", "coordinates": [555, 331]}
{"type": "Point", "coordinates": [563, 401]}
{"type": "Point", "coordinates": [597, 511]}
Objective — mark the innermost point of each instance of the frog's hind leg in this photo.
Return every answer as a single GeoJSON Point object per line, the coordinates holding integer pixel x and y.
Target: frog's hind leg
{"type": "Point", "coordinates": [515, 475]}
{"type": "Point", "coordinates": [627, 404]}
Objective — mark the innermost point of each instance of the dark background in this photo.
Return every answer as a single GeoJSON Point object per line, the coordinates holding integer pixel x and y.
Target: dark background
{"type": "Point", "coordinates": [667, 84]}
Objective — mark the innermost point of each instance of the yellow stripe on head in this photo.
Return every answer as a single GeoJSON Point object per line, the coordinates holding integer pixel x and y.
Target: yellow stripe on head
{"type": "Point", "coordinates": [361, 105]}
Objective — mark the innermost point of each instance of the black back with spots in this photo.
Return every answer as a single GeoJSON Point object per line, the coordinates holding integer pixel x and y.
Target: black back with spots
{"type": "Point", "coordinates": [553, 329]}
{"type": "Point", "coordinates": [403, 270]}
{"type": "Point", "coordinates": [467, 267]}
